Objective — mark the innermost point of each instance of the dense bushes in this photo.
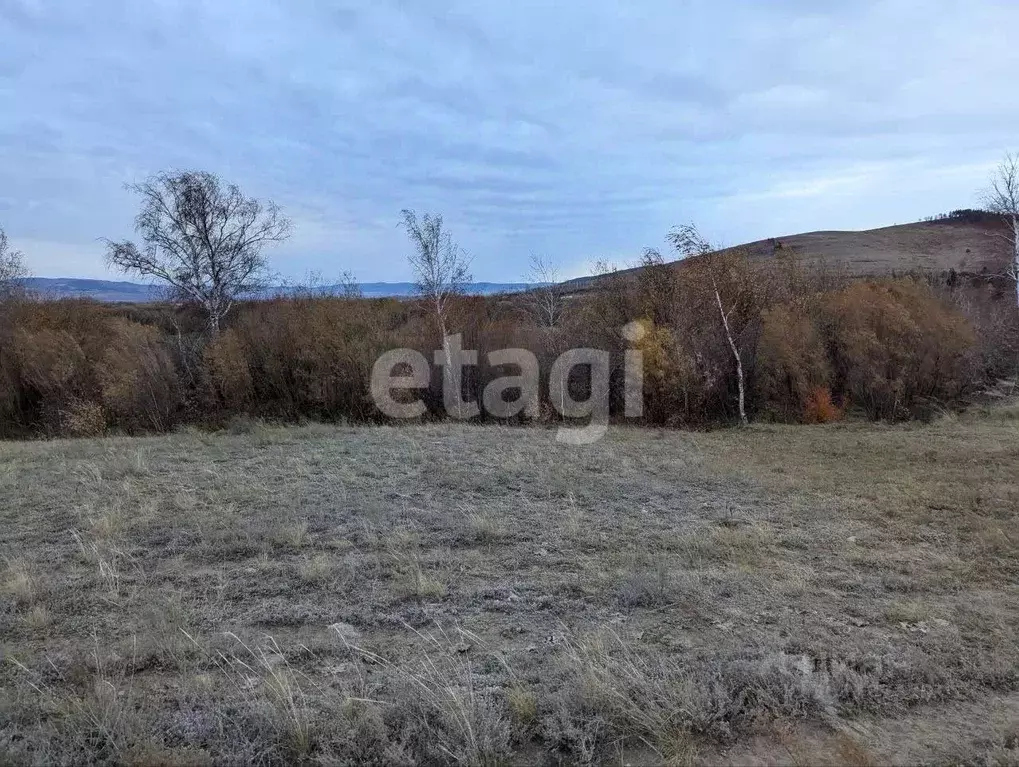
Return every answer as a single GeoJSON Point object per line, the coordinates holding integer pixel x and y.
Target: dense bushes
{"type": "Point", "coordinates": [303, 356]}
{"type": "Point", "coordinates": [75, 367]}
{"type": "Point", "coordinates": [896, 349]}
{"type": "Point", "coordinates": [892, 348]}
{"type": "Point", "coordinates": [793, 363]}
{"type": "Point", "coordinates": [812, 349]}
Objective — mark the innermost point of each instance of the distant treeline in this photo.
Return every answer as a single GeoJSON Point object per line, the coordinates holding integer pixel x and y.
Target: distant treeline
{"type": "Point", "coordinates": [965, 215]}
{"type": "Point", "coordinates": [813, 346]}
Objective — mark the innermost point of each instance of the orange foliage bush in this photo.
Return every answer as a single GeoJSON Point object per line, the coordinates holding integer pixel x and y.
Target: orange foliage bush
{"type": "Point", "coordinates": [892, 347]}
{"type": "Point", "coordinates": [819, 407]}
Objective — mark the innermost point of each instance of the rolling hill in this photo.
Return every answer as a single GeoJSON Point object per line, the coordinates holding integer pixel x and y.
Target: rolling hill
{"type": "Point", "coordinates": [970, 243]}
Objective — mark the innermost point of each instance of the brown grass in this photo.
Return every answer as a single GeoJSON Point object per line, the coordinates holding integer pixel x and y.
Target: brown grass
{"type": "Point", "coordinates": [482, 595]}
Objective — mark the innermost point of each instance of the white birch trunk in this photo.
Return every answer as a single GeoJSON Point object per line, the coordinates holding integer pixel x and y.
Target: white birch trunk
{"type": "Point", "coordinates": [736, 354]}
{"type": "Point", "coordinates": [1015, 255]}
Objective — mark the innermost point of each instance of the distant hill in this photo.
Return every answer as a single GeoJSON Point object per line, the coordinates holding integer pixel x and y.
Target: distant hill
{"type": "Point", "coordinates": [966, 241]}
{"type": "Point", "coordinates": [970, 243]}
{"type": "Point", "coordinates": [133, 292]}
{"type": "Point", "coordinates": [100, 290]}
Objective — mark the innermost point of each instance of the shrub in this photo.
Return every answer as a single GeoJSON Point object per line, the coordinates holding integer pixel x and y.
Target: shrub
{"type": "Point", "coordinates": [897, 349]}
{"type": "Point", "coordinates": [50, 371]}
{"type": "Point", "coordinates": [49, 361]}
{"type": "Point", "coordinates": [137, 379]}
{"type": "Point", "coordinates": [808, 344]}
{"type": "Point", "coordinates": [307, 356]}
{"type": "Point", "coordinates": [819, 407]}
{"type": "Point", "coordinates": [73, 367]}
{"type": "Point", "coordinates": [227, 364]}
{"type": "Point", "coordinates": [673, 386]}
{"type": "Point", "coordinates": [82, 418]}
{"type": "Point", "coordinates": [792, 364]}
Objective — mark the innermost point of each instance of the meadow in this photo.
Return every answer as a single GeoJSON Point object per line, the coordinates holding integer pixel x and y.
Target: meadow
{"type": "Point", "coordinates": [448, 593]}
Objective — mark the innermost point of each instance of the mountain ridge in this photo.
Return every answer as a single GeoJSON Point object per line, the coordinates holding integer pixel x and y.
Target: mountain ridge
{"type": "Point", "coordinates": [117, 291]}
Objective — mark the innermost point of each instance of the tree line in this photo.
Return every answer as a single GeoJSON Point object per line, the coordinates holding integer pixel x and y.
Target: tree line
{"type": "Point", "coordinates": [724, 338]}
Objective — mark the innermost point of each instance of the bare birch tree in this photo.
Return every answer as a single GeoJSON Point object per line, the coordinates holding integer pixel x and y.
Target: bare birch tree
{"type": "Point", "coordinates": [202, 238]}
{"type": "Point", "coordinates": [544, 301]}
{"type": "Point", "coordinates": [12, 269]}
{"type": "Point", "coordinates": [548, 307]}
{"type": "Point", "coordinates": [1002, 197]}
{"type": "Point", "coordinates": [441, 272]}
{"type": "Point", "coordinates": [688, 242]}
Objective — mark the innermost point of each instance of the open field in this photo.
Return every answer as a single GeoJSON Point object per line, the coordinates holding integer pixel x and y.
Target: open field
{"type": "Point", "coordinates": [805, 595]}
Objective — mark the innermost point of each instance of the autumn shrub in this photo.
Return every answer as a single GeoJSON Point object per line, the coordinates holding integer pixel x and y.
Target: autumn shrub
{"type": "Point", "coordinates": [792, 365]}
{"type": "Point", "coordinates": [82, 418]}
{"type": "Point", "coordinates": [819, 407]}
{"type": "Point", "coordinates": [994, 316]}
{"type": "Point", "coordinates": [491, 334]}
{"type": "Point", "coordinates": [73, 367]}
{"type": "Point", "coordinates": [10, 388]}
{"type": "Point", "coordinates": [51, 373]}
{"type": "Point", "coordinates": [310, 357]}
{"type": "Point", "coordinates": [49, 361]}
{"type": "Point", "coordinates": [137, 381]}
{"type": "Point", "coordinates": [674, 388]}
{"type": "Point", "coordinates": [657, 347]}
{"type": "Point", "coordinates": [227, 364]}
{"type": "Point", "coordinates": [896, 349]}
{"type": "Point", "coordinates": [808, 347]}
{"type": "Point", "coordinates": [11, 406]}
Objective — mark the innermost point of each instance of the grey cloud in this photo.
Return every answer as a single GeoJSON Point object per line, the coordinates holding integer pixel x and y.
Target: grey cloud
{"type": "Point", "coordinates": [583, 128]}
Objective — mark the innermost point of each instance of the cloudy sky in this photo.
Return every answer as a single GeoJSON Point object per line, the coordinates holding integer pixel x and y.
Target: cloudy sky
{"type": "Point", "coordinates": [579, 129]}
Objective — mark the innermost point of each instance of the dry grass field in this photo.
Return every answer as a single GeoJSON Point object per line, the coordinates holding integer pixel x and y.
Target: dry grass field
{"type": "Point", "coordinates": [482, 595]}
{"type": "Point", "coordinates": [934, 247]}
{"type": "Point", "coordinates": [938, 247]}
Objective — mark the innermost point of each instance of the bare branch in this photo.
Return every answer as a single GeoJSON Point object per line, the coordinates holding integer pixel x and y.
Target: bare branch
{"type": "Point", "coordinates": [688, 241]}
{"type": "Point", "coordinates": [441, 268]}
{"type": "Point", "coordinates": [545, 301]}
{"type": "Point", "coordinates": [12, 270]}
{"type": "Point", "coordinates": [1002, 197]}
{"type": "Point", "coordinates": [349, 286]}
{"type": "Point", "coordinates": [442, 272]}
{"type": "Point", "coordinates": [202, 238]}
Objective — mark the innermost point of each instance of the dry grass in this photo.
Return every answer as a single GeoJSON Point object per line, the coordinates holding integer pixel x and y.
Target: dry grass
{"type": "Point", "coordinates": [20, 584]}
{"type": "Point", "coordinates": [451, 594]}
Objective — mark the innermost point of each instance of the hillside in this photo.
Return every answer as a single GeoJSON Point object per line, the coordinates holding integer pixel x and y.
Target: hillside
{"type": "Point", "coordinates": [968, 244]}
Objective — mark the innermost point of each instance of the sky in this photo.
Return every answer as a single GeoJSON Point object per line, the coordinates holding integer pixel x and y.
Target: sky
{"type": "Point", "coordinates": [578, 130]}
